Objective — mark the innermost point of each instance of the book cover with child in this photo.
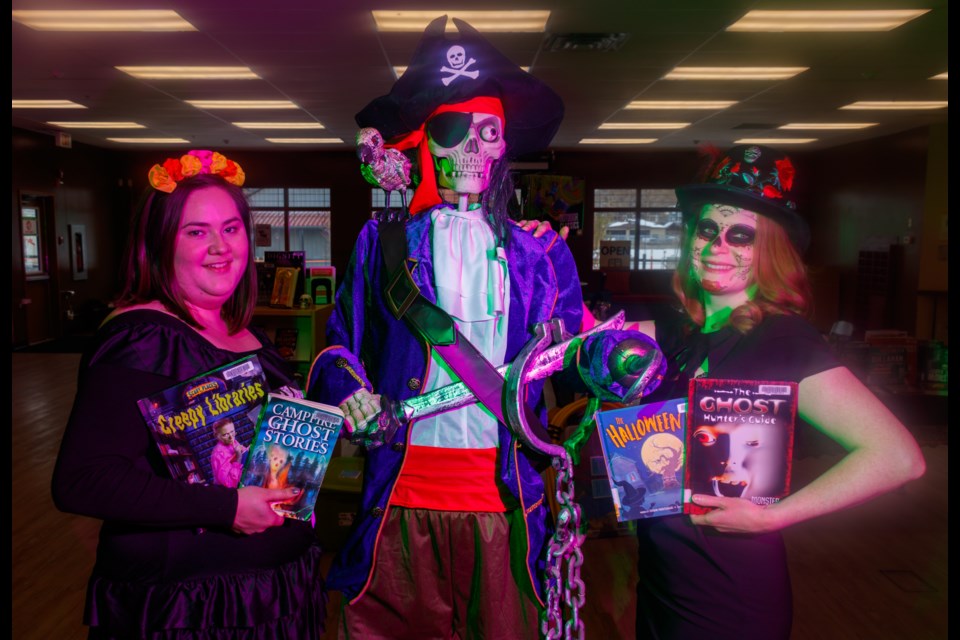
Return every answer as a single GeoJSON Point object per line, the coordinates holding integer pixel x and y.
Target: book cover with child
{"type": "Point", "coordinates": [203, 426]}
{"type": "Point", "coordinates": [292, 447]}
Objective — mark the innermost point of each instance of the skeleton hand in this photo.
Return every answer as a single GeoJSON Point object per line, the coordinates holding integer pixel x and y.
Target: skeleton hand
{"type": "Point", "coordinates": [540, 227]}
{"type": "Point", "coordinates": [361, 413]}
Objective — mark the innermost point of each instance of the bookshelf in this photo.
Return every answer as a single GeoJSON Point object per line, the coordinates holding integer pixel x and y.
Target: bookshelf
{"type": "Point", "coordinates": [310, 323]}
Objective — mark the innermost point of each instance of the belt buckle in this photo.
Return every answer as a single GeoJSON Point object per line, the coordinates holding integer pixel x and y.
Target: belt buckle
{"type": "Point", "coordinates": [402, 276]}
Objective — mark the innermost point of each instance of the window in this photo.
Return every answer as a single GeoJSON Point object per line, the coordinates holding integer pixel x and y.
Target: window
{"type": "Point", "coordinates": [651, 224]}
{"type": "Point", "coordinates": [299, 220]}
{"type": "Point", "coordinates": [378, 200]}
{"type": "Point", "coordinates": [33, 262]}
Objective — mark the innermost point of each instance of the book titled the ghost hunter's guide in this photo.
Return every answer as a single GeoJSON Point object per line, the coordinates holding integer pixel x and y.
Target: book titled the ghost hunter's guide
{"type": "Point", "coordinates": [643, 451]}
{"type": "Point", "coordinates": [739, 440]}
{"type": "Point", "coordinates": [184, 418]}
{"type": "Point", "coordinates": [292, 447]}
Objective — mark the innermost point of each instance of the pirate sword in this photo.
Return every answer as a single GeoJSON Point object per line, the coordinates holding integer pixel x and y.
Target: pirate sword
{"type": "Point", "coordinates": [458, 394]}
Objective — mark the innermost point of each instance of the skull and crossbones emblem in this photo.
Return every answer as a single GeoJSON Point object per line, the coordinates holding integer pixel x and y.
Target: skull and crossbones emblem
{"type": "Point", "coordinates": [459, 65]}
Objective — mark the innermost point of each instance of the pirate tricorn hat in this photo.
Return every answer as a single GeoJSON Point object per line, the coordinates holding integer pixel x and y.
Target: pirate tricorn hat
{"type": "Point", "coordinates": [452, 70]}
{"type": "Point", "coordinates": [752, 177]}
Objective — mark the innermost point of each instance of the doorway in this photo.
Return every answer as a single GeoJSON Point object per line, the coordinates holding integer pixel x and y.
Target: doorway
{"type": "Point", "coordinates": [39, 303]}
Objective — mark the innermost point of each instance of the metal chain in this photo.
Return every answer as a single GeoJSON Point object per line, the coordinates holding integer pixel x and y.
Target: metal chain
{"type": "Point", "coordinates": [564, 547]}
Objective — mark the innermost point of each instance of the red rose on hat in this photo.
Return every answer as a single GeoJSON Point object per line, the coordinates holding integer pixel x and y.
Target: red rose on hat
{"type": "Point", "coordinates": [786, 172]}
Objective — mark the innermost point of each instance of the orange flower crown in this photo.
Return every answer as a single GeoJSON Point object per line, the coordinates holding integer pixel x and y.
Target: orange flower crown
{"type": "Point", "coordinates": [166, 176]}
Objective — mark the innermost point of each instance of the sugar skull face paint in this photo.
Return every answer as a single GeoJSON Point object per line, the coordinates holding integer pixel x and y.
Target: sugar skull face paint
{"type": "Point", "coordinates": [723, 249]}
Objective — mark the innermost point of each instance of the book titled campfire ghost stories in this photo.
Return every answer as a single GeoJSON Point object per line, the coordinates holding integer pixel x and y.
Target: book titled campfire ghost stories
{"type": "Point", "coordinates": [292, 447]}
{"type": "Point", "coordinates": [739, 440]}
{"type": "Point", "coordinates": [643, 451]}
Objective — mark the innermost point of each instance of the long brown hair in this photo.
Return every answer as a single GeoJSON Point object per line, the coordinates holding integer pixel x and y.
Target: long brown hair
{"type": "Point", "coordinates": [149, 255]}
{"type": "Point", "coordinates": [779, 274]}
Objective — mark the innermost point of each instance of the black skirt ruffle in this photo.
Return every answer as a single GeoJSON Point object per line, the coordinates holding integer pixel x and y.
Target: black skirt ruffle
{"type": "Point", "coordinates": [287, 603]}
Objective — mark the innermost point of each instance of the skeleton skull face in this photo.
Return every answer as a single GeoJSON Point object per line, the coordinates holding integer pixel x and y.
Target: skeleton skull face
{"type": "Point", "coordinates": [456, 56]}
{"type": "Point", "coordinates": [464, 147]}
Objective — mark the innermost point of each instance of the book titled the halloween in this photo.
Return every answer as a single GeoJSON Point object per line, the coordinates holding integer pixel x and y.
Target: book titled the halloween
{"type": "Point", "coordinates": [739, 440]}
{"type": "Point", "coordinates": [292, 447]}
{"type": "Point", "coordinates": [643, 451]}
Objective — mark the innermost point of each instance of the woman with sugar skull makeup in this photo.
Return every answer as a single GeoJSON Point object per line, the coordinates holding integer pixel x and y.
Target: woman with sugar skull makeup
{"type": "Point", "coordinates": [453, 523]}
{"type": "Point", "coordinates": [743, 287]}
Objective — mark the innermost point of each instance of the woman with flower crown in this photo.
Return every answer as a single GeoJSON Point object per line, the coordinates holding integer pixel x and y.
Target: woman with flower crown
{"type": "Point", "coordinates": [178, 560]}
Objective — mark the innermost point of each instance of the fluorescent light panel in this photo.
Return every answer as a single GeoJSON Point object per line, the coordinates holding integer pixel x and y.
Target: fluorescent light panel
{"type": "Point", "coordinates": [191, 73]}
{"type": "Point", "coordinates": [483, 21]}
{"type": "Point", "coordinates": [278, 125]}
{"type": "Point", "coordinates": [895, 105]}
{"type": "Point", "coordinates": [812, 126]}
{"type": "Point", "coordinates": [305, 140]}
{"type": "Point", "coordinates": [830, 20]}
{"type": "Point", "coordinates": [95, 20]}
{"type": "Point", "coordinates": [97, 125]}
{"type": "Point", "coordinates": [242, 104]}
{"type": "Point", "coordinates": [46, 104]}
{"type": "Point", "coordinates": [774, 141]}
{"type": "Point", "coordinates": [939, 76]}
{"type": "Point", "coordinates": [617, 140]}
{"type": "Point", "coordinates": [639, 126]}
{"type": "Point", "coordinates": [733, 73]}
{"type": "Point", "coordinates": [149, 140]}
{"type": "Point", "coordinates": [680, 104]}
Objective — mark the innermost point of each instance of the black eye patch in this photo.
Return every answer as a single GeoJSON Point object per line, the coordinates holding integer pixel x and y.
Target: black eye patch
{"type": "Point", "coordinates": [450, 128]}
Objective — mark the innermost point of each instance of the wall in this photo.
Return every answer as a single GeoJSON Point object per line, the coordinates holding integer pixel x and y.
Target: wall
{"type": "Point", "coordinates": [870, 196]}
{"type": "Point", "coordinates": [851, 194]}
{"type": "Point", "coordinates": [84, 185]}
{"type": "Point", "coordinates": [932, 286]}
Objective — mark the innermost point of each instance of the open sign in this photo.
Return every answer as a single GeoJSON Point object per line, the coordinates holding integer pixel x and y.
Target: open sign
{"type": "Point", "coordinates": [614, 254]}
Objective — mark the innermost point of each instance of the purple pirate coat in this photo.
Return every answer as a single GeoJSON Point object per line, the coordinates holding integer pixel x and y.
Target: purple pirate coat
{"type": "Point", "coordinates": [369, 347]}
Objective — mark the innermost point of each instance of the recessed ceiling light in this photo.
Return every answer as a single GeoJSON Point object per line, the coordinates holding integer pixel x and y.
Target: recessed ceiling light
{"type": "Point", "coordinates": [799, 126]}
{"type": "Point", "coordinates": [191, 73]}
{"type": "Point", "coordinates": [680, 104]}
{"type": "Point", "coordinates": [733, 73]}
{"type": "Point", "coordinates": [278, 125]}
{"type": "Point", "coordinates": [46, 104]}
{"type": "Point", "coordinates": [96, 125]}
{"type": "Point", "coordinates": [617, 140]}
{"type": "Point", "coordinates": [149, 140]}
{"type": "Point", "coordinates": [242, 104]}
{"type": "Point", "coordinates": [305, 140]}
{"type": "Point", "coordinates": [96, 20]}
{"type": "Point", "coordinates": [830, 20]}
{"type": "Point", "coordinates": [643, 125]}
{"type": "Point", "coordinates": [939, 76]}
{"type": "Point", "coordinates": [895, 105]}
{"type": "Point", "coordinates": [774, 141]}
{"type": "Point", "coordinates": [483, 21]}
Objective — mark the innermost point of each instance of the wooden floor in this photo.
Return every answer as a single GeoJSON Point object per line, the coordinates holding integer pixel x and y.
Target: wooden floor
{"type": "Point", "coordinates": [874, 572]}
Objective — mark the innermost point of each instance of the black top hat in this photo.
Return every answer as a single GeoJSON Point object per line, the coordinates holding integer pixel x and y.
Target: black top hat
{"type": "Point", "coordinates": [447, 71]}
{"type": "Point", "coordinates": [752, 177]}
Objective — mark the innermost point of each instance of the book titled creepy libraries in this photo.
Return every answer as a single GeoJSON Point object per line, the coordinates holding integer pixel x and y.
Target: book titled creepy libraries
{"type": "Point", "coordinates": [202, 426]}
{"type": "Point", "coordinates": [739, 440]}
{"type": "Point", "coordinates": [292, 447]}
{"type": "Point", "coordinates": [643, 451]}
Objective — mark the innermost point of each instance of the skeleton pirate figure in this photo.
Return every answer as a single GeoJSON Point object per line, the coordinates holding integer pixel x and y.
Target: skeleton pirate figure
{"type": "Point", "coordinates": [452, 534]}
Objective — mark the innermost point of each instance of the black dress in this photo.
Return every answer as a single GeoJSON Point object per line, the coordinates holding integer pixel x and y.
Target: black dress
{"type": "Point", "coordinates": [156, 574]}
{"type": "Point", "coordinates": [695, 582]}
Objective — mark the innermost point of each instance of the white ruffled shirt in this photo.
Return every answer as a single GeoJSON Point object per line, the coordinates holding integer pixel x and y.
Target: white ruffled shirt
{"type": "Point", "coordinates": [473, 286]}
